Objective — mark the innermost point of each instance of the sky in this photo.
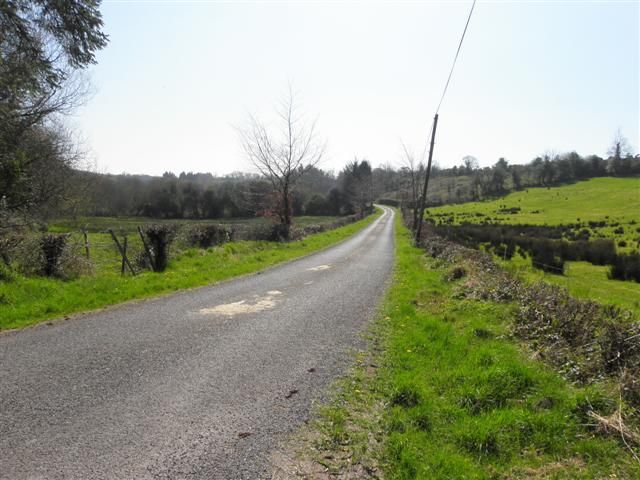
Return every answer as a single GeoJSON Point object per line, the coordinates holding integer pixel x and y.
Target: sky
{"type": "Point", "coordinates": [179, 78]}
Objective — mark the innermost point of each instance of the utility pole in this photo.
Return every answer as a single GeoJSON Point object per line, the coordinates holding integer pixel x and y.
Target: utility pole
{"type": "Point", "coordinates": [423, 199]}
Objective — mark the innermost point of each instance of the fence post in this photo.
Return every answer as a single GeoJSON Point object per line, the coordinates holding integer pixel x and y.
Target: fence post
{"type": "Point", "coordinates": [122, 252]}
{"type": "Point", "coordinates": [124, 255]}
{"type": "Point", "coordinates": [86, 242]}
{"type": "Point", "coordinates": [146, 249]}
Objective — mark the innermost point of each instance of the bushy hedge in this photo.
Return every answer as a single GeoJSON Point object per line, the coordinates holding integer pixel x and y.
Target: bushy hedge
{"type": "Point", "coordinates": [208, 235]}
{"type": "Point", "coordinates": [626, 267]}
{"type": "Point", "coordinates": [545, 246]}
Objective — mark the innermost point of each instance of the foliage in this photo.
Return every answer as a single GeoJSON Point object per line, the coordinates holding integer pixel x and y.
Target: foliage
{"type": "Point", "coordinates": [626, 267]}
{"type": "Point", "coordinates": [356, 181]}
{"type": "Point", "coordinates": [42, 44]}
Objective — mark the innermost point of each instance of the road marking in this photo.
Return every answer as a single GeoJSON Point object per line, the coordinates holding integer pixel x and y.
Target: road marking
{"type": "Point", "coordinates": [318, 268]}
{"type": "Point", "coordinates": [309, 282]}
{"type": "Point", "coordinates": [242, 307]}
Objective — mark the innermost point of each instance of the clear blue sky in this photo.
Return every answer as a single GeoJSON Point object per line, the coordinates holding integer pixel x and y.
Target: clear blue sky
{"type": "Point", "coordinates": [533, 76]}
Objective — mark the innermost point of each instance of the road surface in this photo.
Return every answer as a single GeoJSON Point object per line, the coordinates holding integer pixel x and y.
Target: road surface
{"type": "Point", "coordinates": [200, 384]}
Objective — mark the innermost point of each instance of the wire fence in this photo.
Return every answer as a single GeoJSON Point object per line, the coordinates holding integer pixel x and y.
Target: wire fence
{"type": "Point", "coordinates": [126, 249]}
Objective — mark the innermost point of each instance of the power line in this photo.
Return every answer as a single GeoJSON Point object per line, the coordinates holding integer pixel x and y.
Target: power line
{"type": "Point", "coordinates": [456, 57]}
{"type": "Point", "coordinates": [432, 134]}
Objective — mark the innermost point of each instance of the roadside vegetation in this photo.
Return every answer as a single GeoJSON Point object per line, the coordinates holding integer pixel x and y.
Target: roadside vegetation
{"type": "Point", "coordinates": [455, 386]}
{"type": "Point", "coordinates": [29, 299]}
{"type": "Point", "coordinates": [584, 236]}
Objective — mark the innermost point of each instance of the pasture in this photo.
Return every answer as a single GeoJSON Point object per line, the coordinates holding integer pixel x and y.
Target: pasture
{"type": "Point", "coordinates": [599, 209]}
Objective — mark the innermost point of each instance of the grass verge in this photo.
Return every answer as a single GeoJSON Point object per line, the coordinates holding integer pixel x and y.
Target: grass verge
{"type": "Point", "coordinates": [28, 300]}
{"type": "Point", "coordinates": [445, 393]}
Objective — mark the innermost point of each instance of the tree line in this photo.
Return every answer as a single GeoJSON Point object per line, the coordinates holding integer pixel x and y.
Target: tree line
{"type": "Point", "coordinates": [203, 196]}
{"type": "Point", "coordinates": [470, 182]}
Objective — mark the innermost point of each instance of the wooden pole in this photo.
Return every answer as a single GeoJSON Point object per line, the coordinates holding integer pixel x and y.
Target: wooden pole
{"type": "Point", "coordinates": [423, 199]}
{"type": "Point", "coordinates": [124, 255]}
{"type": "Point", "coordinates": [86, 243]}
{"type": "Point", "coordinates": [147, 249]}
{"type": "Point", "coordinates": [122, 252]}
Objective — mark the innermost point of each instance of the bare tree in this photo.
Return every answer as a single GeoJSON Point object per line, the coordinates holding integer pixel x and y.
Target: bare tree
{"type": "Point", "coordinates": [283, 156]}
{"type": "Point", "coordinates": [414, 170]}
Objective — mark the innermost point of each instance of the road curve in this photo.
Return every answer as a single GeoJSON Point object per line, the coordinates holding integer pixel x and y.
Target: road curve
{"type": "Point", "coordinates": [196, 385]}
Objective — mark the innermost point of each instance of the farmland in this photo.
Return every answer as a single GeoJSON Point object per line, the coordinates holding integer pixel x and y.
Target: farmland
{"type": "Point", "coordinates": [600, 209]}
{"type": "Point", "coordinates": [98, 282]}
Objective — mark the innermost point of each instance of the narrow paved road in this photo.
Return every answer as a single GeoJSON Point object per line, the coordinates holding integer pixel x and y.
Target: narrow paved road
{"type": "Point", "coordinates": [196, 385]}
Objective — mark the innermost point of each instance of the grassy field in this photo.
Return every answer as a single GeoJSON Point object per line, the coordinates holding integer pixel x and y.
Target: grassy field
{"type": "Point", "coordinates": [445, 394]}
{"type": "Point", "coordinates": [615, 201]}
{"type": "Point", "coordinates": [582, 280]}
{"type": "Point", "coordinates": [28, 300]}
{"type": "Point", "coordinates": [130, 224]}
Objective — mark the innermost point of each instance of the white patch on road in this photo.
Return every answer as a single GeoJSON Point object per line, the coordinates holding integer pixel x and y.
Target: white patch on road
{"type": "Point", "coordinates": [318, 268]}
{"type": "Point", "coordinates": [259, 304]}
{"type": "Point", "coordinates": [308, 283]}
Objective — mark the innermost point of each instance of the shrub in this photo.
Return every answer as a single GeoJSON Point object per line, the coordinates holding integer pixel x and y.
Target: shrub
{"type": "Point", "coordinates": [6, 273]}
{"type": "Point", "coordinates": [160, 238]}
{"type": "Point", "coordinates": [52, 246]}
{"type": "Point", "coordinates": [544, 259]}
{"type": "Point", "coordinates": [204, 236]}
{"type": "Point", "coordinates": [626, 267]}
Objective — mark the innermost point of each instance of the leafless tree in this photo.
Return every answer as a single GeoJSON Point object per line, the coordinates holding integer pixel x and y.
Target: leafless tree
{"type": "Point", "coordinates": [414, 170]}
{"type": "Point", "coordinates": [283, 155]}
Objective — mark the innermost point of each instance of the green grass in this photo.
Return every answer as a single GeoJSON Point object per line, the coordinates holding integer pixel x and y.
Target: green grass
{"type": "Point", "coordinates": [582, 280]}
{"type": "Point", "coordinates": [28, 300]}
{"type": "Point", "coordinates": [455, 398]}
{"type": "Point", "coordinates": [614, 199]}
{"type": "Point", "coordinates": [130, 224]}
